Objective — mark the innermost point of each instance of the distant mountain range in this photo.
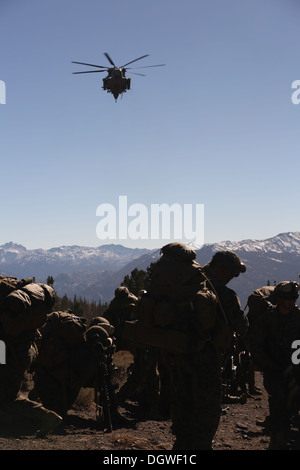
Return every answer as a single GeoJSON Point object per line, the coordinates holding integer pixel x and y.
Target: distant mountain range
{"type": "Point", "coordinates": [94, 273]}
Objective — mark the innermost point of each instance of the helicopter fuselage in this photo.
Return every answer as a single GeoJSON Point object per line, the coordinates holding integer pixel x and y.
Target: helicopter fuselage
{"type": "Point", "coordinates": [116, 82]}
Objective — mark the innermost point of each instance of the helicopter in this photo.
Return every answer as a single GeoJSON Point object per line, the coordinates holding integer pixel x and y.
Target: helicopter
{"type": "Point", "coordinates": [116, 81]}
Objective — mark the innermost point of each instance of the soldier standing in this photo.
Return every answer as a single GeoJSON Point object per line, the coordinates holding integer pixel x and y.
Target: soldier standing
{"type": "Point", "coordinates": [271, 348]}
{"type": "Point", "coordinates": [142, 381]}
{"type": "Point", "coordinates": [195, 375]}
{"type": "Point", "coordinates": [120, 309]}
{"type": "Point", "coordinates": [196, 378]}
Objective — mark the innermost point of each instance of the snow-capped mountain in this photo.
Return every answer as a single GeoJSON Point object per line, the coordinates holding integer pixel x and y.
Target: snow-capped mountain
{"type": "Point", "coordinates": [18, 261]}
{"type": "Point", "coordinates": [94, 273]}
{"type": "Point", "coordinates": [282, 243]}
{"type": "Point", "coordinates": [272, 260]}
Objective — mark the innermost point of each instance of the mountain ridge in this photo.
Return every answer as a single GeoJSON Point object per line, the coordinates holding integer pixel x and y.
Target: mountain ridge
{"type": "Point", "coordinates": [95, 272]}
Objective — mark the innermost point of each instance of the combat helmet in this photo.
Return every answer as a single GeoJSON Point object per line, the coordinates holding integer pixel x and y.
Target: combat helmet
{"type": "Point", "coordinates": [228, 260]}
{"type": "Point", "coordinates": [287, 290]}
{"type": "Point", "coordinates": [104, 323]}
{"type": "Point", "coordinates": [98, 335]}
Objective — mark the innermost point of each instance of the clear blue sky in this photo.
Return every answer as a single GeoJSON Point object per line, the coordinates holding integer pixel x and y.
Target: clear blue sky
{"type": "Point", "coordinates": [215, 126]}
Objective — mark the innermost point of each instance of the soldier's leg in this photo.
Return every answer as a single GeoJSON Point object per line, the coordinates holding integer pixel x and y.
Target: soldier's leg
{"type": "Point", "coordinates": [279, 414]}
{"type": "Point", "coordinates": [164, 366]}
{"type": "Point", "coordinates": [142, 383]}
{"type": "Point", "coordinates": [196, 401]}
{"type": "Point", "coordinates": [46, 420]}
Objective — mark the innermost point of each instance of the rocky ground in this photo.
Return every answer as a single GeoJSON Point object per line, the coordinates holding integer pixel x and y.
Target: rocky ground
{"type": "Point", "coordinates": [238, 431]}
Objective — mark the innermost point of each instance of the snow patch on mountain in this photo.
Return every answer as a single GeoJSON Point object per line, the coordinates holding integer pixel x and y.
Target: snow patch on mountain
{"type": "Point", "coordinates": [95, 272]}
{"type": "Point", "coordinates": [284, 242]}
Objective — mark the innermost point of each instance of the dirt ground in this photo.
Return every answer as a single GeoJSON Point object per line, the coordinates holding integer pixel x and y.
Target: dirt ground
{"type": "Point", "coordinates": [238, 430]}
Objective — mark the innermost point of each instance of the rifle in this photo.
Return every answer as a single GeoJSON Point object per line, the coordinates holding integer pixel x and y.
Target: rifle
{"type": "Point", "coordinates": [229, 369]}
{"type": "Point", "coordinates": [102, 394]}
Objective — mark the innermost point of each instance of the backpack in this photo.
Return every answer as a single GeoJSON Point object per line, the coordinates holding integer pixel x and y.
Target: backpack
{"type": "Point", "coordinates": [178, 251]}
{"type": "Point", "coordinates": [181, 293]}
{"type": "Point", "coordinates": [24, 305]}
{"type": "Point", "coordinates": [176, 276]}
{"type": "Point", "coordinates": [121, 307]}
{"type": "Point", "coordinates": [180, 308]}
{"type": "Point", "coordinates": [62, 332]}
{"type": "Point", "coordinates": [65, 325]}
{"type": "Point", "coordinates": [259, 300]}
{"type": "Point", "coordinates": [8, 285]}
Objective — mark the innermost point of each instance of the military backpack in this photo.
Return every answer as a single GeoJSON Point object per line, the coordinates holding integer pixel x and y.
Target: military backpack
{"type": "Point", "coordinates": [24, 305]}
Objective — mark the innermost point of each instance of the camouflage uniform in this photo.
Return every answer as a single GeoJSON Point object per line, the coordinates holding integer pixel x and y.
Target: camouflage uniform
{"type": "Point", "coordinates": [66, 364]}
{"type": "Point", "coordinates": [121, 308]}
{"type": "Point", "coordinates": [58, 386]}
{"type": "Point", "coordinates": [271, 348]}
{"type": "Point", "coordinates": [195, 399]}
{"type": "Point", "coordinates": [196, 377]}
{"type": "Point", "coordinates": [15, 406]}
{"type": "Point", "coordinates": [142, 381]}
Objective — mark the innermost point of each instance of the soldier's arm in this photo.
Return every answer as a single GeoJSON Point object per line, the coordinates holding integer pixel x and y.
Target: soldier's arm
{"type": "Point", "coordinates": [235, 315]}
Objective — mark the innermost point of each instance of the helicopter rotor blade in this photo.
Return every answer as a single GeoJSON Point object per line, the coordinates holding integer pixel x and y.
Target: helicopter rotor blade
{"type": "Point", "coordinates": [91, 65]}
{"type": "Point", "coordinates": [139, 58]}
{"type": "Point", "coordinates": [109, 59]}
{"type": "Point", "coordinates": [135, 73]}
{"type": "Point", "coordinates": [90, 71]}
{"type": "Point", "coordinates": [146, 66]}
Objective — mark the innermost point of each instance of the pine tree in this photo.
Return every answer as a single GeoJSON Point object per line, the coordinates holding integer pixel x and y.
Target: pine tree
{"type": "Point", "coordinates": [50, 281]}
{"type": "Point", "coordinates": [137, 280]}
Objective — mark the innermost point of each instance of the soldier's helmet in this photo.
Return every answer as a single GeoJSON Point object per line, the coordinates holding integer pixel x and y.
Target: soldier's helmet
{"type": "Point", "coordinates": [287, 290]}
{"type": "Point", "coordinates": [228, 260]}
{"type": "Point", "coordinates": [104, 323]}
{"type": "Point", "coordinates": [98, 335]}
